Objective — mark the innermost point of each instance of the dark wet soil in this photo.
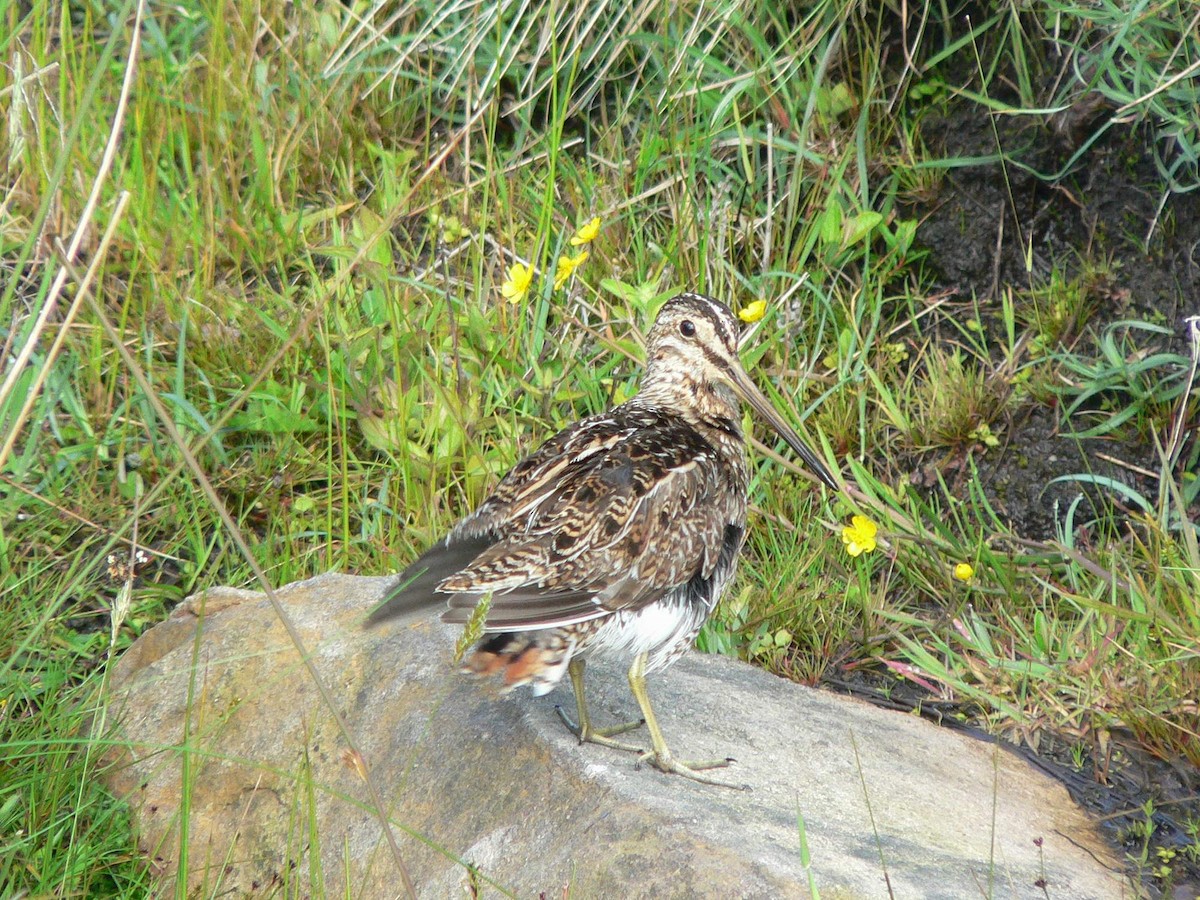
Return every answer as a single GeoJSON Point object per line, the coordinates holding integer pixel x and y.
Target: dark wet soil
{"type": "Point", "coordinates": [991, 229]}
{"type": "Point", "coordinates": [987, 220]}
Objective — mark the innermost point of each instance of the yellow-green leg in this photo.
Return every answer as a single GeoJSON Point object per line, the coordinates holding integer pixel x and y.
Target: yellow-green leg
{"type": "Point", "coordinates": [584, 730]}
{"type": "Point", "coordinates": [659, 755]}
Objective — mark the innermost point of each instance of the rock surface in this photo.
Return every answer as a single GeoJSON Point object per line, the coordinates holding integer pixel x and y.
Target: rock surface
{"type": "Point", "coordinates": [271, 794]}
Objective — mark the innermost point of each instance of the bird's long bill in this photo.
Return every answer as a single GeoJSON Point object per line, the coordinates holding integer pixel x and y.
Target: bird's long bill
{"type": "Point", "coordinates": [752, 395]}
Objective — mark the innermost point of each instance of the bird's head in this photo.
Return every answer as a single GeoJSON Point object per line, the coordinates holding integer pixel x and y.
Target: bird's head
{"type": "Point", "coordinates": [692, 362]}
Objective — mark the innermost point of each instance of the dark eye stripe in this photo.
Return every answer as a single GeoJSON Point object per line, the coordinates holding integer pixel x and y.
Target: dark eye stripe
{"type": "Point", "coordinates": [716, 313]}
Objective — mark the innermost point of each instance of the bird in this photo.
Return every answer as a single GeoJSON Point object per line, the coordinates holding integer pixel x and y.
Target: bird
{"type": "Point", "coordinates": [617, 536]}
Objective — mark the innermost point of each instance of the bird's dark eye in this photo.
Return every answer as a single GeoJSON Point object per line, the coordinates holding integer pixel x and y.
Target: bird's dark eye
{"type": "Point", "coordinates": [687, 328]}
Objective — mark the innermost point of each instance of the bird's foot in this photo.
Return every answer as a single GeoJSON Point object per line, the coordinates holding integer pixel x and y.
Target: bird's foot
{"type": "Point", "coordinates": [693, 769]}
{"type": "Point", "coordinates": [602, 736]}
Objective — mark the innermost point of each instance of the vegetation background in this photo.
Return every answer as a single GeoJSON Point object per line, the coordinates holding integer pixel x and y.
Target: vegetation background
{"type": "Point", "coordinates": [254, 262]}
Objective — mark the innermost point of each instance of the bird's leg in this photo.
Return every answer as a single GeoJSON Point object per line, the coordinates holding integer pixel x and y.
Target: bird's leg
{"type": "Point", "coordinates": [659, 755]}
{"type": "Point", "coordinates": [584, 730]}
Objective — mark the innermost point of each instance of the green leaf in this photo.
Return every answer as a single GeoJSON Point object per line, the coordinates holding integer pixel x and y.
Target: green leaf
{"type": "Point", "coordinates": [829, 228]}
{"type": "Point", "coordinates": [861, 225]}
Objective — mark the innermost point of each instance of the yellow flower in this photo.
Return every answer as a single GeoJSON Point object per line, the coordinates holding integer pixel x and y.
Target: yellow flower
{"type": "Point", "coordinates": [566, 268]}
{"type": "Point", "coordinates": [586, 233]}
{"type": "Point", "coordinates": [754, 311]}
{"type": "Point", "coordinates": [964, 572]}
{"type": "Point", "coordinates": [859, 535]}
{"type": "Point", "coordinates": [516, 286]}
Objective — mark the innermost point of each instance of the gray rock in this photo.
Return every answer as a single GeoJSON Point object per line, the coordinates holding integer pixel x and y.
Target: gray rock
{"type": "Point", "coordinates": [468, 775]}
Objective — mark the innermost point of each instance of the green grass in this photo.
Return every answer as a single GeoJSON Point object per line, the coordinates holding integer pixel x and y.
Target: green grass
{"type": "Point", "coordinates": [301, 241]}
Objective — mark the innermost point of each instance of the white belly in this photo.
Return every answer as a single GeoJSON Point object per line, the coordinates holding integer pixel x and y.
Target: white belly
{"type": "Point", "coordinates": [664, 630]}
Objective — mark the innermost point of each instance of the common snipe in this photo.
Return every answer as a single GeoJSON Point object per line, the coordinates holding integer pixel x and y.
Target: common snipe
{"type": "Point", "coordinates": [619, 534]}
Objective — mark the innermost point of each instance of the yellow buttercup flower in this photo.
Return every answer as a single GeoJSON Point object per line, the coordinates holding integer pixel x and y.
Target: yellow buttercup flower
{"type": "Point", "coordinates": [586, 233]}
{"type": "Point", "coordinates": [516, 286]}
{"type": "Point", "coordinates": [964, 572]}
{"type": "Point", "coordinates": [566, 268]}
{"type": "Point", "coordinates": [859, 536]}
{"type": "Point", "coordinates": [753, 312]}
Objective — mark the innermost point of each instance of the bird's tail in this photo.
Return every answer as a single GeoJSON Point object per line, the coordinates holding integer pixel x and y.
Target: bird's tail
{"type": "Point", "coordinates": [537, 658]}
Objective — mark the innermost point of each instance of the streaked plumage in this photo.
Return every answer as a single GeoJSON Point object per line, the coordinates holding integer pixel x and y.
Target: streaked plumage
{"type": "Point", "coordinates": [620, 533]}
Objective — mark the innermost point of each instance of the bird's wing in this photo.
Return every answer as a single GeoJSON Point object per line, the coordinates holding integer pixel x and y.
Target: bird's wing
{"type": "Point", "coordinates": [609, 514]}
{"type": "Point", "coordinates": [505, 512]}
{"type": "Point", "coordinates": [614, 528]}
